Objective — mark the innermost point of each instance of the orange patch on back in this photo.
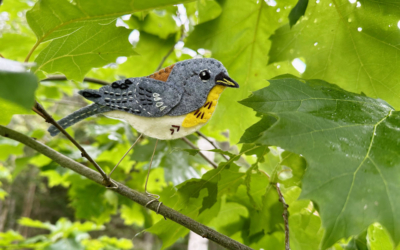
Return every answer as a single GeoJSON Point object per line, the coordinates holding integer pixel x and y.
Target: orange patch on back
{"type": "Point", "coordinates": [162, 74]}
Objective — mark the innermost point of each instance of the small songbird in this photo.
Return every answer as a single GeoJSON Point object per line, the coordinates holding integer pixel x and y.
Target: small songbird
{"type": "Point", "coordinates": [169, 104]}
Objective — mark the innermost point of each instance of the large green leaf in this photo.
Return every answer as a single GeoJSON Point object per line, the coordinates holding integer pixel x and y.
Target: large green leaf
{"type": "Point", "coordinates": [239, 39]}
{"type": "Point", "coordinates": [51, 19]}
{"type": "Point", "coordinates": [92, 45]}
{"type": "Point", "coordinates": [352, 44]}
{"type": "Point", "coordinates": [83, 33]}
{"type": "Point", "coordinates": [350, 143]}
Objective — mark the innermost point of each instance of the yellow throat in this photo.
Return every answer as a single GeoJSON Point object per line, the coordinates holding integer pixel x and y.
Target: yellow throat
{"type": "Point", "coordinates": [203, 114]}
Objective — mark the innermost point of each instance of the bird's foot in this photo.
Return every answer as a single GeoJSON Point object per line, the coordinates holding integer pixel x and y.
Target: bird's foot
{"type": "Point", "coordinates": [155, 198]}
{"type": "Point", "coordinates": [111, 184]}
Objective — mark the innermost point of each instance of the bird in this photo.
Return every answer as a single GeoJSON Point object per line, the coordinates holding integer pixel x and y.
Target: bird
{"type": "Point", "coordinates": [172, 103]}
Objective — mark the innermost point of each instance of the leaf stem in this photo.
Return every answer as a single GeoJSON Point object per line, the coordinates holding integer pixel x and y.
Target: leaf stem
{"type": "Point", "coordinates": [133, 195]}
{"type": "Point", "coordinates": [200, 153]}
{"type": "Point", "coordinates": [211, 142]}
{"type": "Point", "coordinates": [33, 49]}
{"type": "Point", "coordinates": [172, 49]}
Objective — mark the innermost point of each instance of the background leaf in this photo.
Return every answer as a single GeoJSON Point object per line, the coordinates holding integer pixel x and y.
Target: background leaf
{"type": "Point", "coordinates": [351, 43]}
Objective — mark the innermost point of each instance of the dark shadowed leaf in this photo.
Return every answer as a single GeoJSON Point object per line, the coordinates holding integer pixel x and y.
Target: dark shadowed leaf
{"type": "Point", "coordinates": [351, 43]}
{"type": "Point", "coordinates": [350, 143]}
{"type": "Point", "coordinates": [298, 11]}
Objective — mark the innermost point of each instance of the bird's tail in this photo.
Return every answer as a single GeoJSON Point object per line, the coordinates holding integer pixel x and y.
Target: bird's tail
{"type": "Point", "coordinates": [78, 116]}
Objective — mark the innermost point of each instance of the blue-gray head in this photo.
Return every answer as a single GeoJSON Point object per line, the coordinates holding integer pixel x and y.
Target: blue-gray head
{"type": "Point", "coordinates": [201, 75]}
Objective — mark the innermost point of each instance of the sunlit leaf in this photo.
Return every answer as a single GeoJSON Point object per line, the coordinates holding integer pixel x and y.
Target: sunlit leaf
{"type": "Point", "coordinates": [51, 19]}
{"type": "Point", "coordinates": [93, 45]}
{"type": "Point", "coordinates": [297, 12]}
{"type": "Point", "coordinates": [151, 50]}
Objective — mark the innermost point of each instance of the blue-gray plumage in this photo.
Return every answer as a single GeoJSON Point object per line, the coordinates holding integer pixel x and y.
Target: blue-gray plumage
{"type": "Point", "coordinates": [175, 91]}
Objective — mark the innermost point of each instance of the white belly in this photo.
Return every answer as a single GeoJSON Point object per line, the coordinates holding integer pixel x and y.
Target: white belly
{"type": "Point", "coordinates": [159, 127]}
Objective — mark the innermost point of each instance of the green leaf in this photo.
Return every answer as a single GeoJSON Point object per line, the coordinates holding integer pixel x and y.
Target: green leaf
{"type": "Point", "coordinates": [27, 222]}
{"type": "Point", "coordinates": [293, 168]}
{"type": "Point", "coordinates": [132, 214]}
{"type": "Point", "coordinates": [21, 43]}
{"type": "Point", "coordinates": [6, 238]}
{"type": "Point", "coordinates": [225, 178]}
{"type": "Point", "coordinates": [378, 238]}
{"type": "Point", "coordinates": [358, 242]}
{"type": "Point", "coordinates": [18, 88]}
{"type": "Point", "coordinates": [353, 138]}
{"type": "Point", "coordinates": [160, 22]}
{"type": "Point", "coordinates": [208, 10]}
{"type": "Point", "coordinates": [95, 206]}
{"type": "Point", "coordinates": [353, 44]}
{"type": "Point", "coordinates": [304, 225]}
{"type": "Point", "coordinates": [92, 45]}
{"type": "Point", "coordinates": [151, 50]}
{"type": "Point", "coordinates": [298, 11]}
{"type": "Point", "coordinates": [245, 26]}
{"type": "Point", "coordinates": [51, 19]}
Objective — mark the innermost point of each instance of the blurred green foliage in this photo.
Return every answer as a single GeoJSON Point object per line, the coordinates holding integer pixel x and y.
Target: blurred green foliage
{"type": "Point", "coordinates": [334, 149]}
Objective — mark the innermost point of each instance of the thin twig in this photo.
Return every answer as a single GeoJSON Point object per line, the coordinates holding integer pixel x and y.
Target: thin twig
{"type": "Point", "coordinates": [285, 216]}
{"type": "Point", "coordinates": [86, 79]}
{"type": "Point", "coordinates": [48, 118]}
{"type": "Point", "coordinates": [200, 153]}
{"type": "Point", "coordinates": [64, 102]}
{"type": "Point", "coordinates": [211, 142]}
{"type": "Point", "coordinates": [133, 195]}
{"type": "Point", "coordinates": [172, 49]}
{"type": "Point", "coordinates": [2, 56]}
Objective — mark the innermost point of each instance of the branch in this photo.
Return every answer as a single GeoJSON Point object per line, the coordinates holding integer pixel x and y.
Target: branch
{"type": "Point", "coordinates": [211, 142]}
{"type": "Point", "coordinates": [133, 195]}
{"type": "Point", "coordinates": [48, 118]}
{"type": "Point", "coordinates": [200, 153]}
{"type": "Point", "coordinates": [285, 216]}
{"type": "Point", "coordinates": [86, 79]}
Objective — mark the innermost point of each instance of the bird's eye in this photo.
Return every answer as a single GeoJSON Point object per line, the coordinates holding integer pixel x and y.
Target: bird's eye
{"type": "Point", "coordinates": [205, 75]}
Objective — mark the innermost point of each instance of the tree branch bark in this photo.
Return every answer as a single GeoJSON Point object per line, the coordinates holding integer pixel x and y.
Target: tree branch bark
{"type": "Point", "coordinates": [285, 216]}
{"type": "Point", "coordinates": [48, 118]}
{"type": "Point", "coordinates": [133, 195]}
{"type": "Point", "coordinates": [64, 78]}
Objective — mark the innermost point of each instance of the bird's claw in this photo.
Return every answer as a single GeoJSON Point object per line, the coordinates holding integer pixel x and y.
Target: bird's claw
{"type": "Point", "coordinates": [114, 185]}
{"type": "Point", "coordinates": [155, 198]}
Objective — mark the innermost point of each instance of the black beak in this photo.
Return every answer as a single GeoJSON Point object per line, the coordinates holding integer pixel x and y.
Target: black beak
{"type": "Point", "coordinates": [223, 79]}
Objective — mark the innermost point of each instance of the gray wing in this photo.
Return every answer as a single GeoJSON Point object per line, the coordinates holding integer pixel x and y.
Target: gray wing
{"type": "Point", "coordinates": [140, 96]}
